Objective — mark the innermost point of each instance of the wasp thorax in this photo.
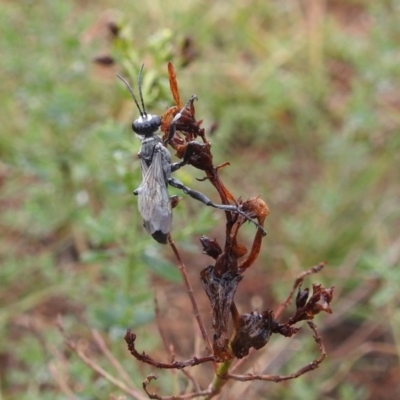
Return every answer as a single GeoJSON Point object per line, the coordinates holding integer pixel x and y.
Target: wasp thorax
{"type": "Point", "coordinates": [146, 125]}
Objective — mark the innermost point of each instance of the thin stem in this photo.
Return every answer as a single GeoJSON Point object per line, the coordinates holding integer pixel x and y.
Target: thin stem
{"type": "Point", "coordinates": [186, 396]}
{"type": "Point", "coordinates": [96, 367]}
{"type": "Point", "coordinates": [189, 288]}
{"type": "Point", "coordinates": [219, 379]}
{"type": "Point", "coordinates": [114, 362]}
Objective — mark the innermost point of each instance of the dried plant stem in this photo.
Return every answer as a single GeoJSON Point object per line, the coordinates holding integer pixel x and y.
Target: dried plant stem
{"type": "Point", "coordinates": [130, 339]}
{"type": "Point", "coordinates": [61, 380]}
{"type": "Point", "coordinates": [170, 348]}
{"type": "Point", "coordinates": [93, 365]}
{"type": "Point", "coordinates": [187, 396]}
{"type": "Point", "coordinates": [113, 361]}
{"type": "Point", "coordinates": [167, 348]}
{"type": "Point", "coordinates": [219, 379]}
{"type": "Point", "coordinates": [131, 391]}
{"type": "Point", "coordinates": [190, 292]}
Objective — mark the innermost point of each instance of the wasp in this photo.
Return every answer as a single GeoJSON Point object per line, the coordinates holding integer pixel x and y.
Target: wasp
{"type": "Point", "coordinates": [155, 204]}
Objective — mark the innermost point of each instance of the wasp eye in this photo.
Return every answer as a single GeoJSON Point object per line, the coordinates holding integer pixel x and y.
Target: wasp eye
{"type": "Point", "coordinates": [146, 125]}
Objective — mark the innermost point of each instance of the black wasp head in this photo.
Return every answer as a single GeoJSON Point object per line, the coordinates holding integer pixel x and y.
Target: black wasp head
{"type": "Point", "coordinates": [146, 124]}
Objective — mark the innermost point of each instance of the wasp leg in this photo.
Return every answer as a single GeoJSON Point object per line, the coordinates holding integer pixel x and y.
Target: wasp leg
{"type": "Point", "coordinates": [175, 166]}
{"type": "Point", "coordinates": [186, 156]}
{"type": "Point", "coordinates": [205, 200]}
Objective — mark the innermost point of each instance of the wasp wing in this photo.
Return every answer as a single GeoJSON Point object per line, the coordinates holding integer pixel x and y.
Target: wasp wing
{"type": "Point", "coordinates": [154, 202]}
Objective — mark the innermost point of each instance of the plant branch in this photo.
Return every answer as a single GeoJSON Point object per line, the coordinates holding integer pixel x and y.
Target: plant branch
{"type": "Point", "coordinates": [130, 339]}
{"type": "Point", "coordinates": [131, 391]}
{"type": "Point", "coordinates": [186, 396]}
{"type": "Point", "coordinates": [113, 361]}
{"type": "Point", "coordinates": [189, 288]}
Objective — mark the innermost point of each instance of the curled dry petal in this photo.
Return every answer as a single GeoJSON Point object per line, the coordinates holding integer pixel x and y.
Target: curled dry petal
{"type": "Point", "coordinates": [319, 301]}
{"type": "Point", "coordinates": [325, 297]}
{"type": "Point", "coordinates": [210, 247]}
{"type": "Point", "coordinates": [301, 298]}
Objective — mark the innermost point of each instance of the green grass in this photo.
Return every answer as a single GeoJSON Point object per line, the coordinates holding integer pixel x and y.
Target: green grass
{"type": "Point", "coordinates": [308, 115]}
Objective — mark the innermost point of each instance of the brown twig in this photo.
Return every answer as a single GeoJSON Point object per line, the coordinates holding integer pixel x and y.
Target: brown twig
{"type": "Point", "coordinates": [113, 361]}
{"type": "Point", "coordinates": [167, 348]}
{"type": "Point", "coordinates": [189, 288]}
{"type": "Point", "coordinates": [192, 380]}
{"type": "Point", "coordinates": [353, 357]}
{"type": "Point", "coordinates": [58, 366]}
{"type": "Point", "coordinates": [198, 344]}
{"type": "Point", "coordinates": [96, 367]}
{"type": "Point", "coordinates": [131, 391]}
{"type": "Point", "coordinates": [186, 396]}
{"type": "Point", "coordinates": [58, 375]}
{"type": "Point", "coordinates": [130, 339]}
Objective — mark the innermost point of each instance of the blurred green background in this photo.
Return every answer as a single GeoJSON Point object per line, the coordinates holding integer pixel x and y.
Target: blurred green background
{"type": "Point", "coordinates": [306, 99]}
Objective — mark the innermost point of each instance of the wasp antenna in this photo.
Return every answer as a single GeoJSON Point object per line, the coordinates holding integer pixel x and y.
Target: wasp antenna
{"type": "Point", "coordinates": [142, 114]}
{"type": "Point", "coordinates": [140, 90]}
